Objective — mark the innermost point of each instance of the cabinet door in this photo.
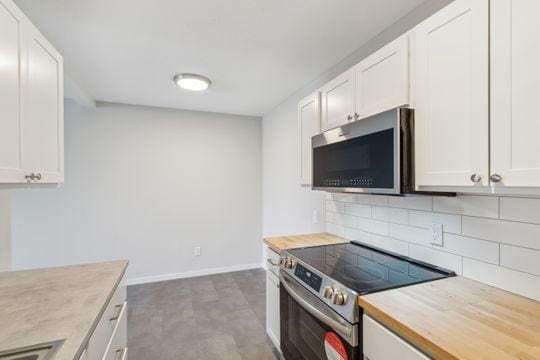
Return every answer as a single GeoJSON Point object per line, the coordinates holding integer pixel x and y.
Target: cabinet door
{"type": "Point", "coordinates": [515, 79]}
{"type": "Point", "coordinates": [381, 344]}
{"type": "Point", "coordinates": [309, 124]}
{"type": "Point", "coordinates": [382, 79]}
{"type": "Point", "coordinates": [450, 84]}
{"type": "Point", "coordinates": [272, 307]}
{"type": "Point", "coordinates": [337, 101]}
{"type": "Point", "coordinates": [43, 112]}
{"type": "Point", "coordinates": [10, 94]}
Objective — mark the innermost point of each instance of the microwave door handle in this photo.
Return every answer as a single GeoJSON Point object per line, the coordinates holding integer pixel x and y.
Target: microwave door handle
{"type": "Point", "coordinates": [314, 311]}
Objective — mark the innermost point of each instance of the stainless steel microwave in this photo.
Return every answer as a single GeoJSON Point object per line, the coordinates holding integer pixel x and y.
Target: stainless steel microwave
{"type": "Point", "coordinates": [372, 155]}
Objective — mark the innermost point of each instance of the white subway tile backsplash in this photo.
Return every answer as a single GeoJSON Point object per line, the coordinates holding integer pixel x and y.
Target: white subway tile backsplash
{"type": "Point", "coordinates": [335, 206]}
{"type": "Point", "coordinates": [411, 202]}
{"type": "Point", "coordinates": [501, 252]}
{"type": "Point", "coordinates": [483, 250]}
{"type": "Point", "coordinates": [436, 257]}
{"type": "Point", "coordinates": [367, 199]}
{"type": "Point", "coordinates": [330, 216]}
{"type": "Point", "coordinates": [482, 206]}
{"type": "Point", "coordinates": [507, 279]}
{"type": "Point", "coordinates": [359, 235]}
{"type": "Point", "coordinates": [337, 230]}
{"type": "Point", "coordinates": [373, 226]}
{"type": "Point", "coordinates": [520, 209]}
{"type": "Point", "coordinates": [426, 219]}
{"type": "Point", "coordinates": [386, 243]}
{"type": "Point", "coordinates": [394, 215]}
{"type": "Point", "coordinates": [358, 210]}
{"type": "Point", "coordinates": [521, 259]}
{"type": "Point", "coordinates": [345, 197]}
{"type": "Point", "coordinates": [410, 234]}
{"type": "Point", "coordinates": [346, 220]}
{"type": "Point", "coordinates": [506, 232]}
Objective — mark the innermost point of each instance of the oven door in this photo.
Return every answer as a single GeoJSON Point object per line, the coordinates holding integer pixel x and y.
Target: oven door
{"type": "Point", "coordinates": [310, 330]}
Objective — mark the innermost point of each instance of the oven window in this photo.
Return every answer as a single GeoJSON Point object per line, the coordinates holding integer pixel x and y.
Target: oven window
{"type": "Point", "coordinates": [362, 162]}
{"type": "Point", "coordinates": [302, 335]}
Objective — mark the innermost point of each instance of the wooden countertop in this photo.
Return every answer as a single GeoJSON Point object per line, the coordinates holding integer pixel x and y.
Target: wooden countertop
{"type": "Point", "coordinates": [457, 318]}
{"type": "Point", "coordinates": [45, 305]}
{"type": "Point", "coordinates": [280, 243]}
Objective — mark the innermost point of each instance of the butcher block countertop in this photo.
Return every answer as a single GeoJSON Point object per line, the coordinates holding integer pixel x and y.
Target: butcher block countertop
{"type": "Point", "coordinates": [280, 243]}
{"type": "Point", "coordinates": [457, 318]}
{"type": "Point", "coordinates": [62, 303]}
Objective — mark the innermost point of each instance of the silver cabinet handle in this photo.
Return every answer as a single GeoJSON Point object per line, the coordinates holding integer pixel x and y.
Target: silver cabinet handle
{"type": "Point", "coordinates": [38, 176]}
{"type": "Point", "coordinates": [475, 178]}
{"type": "Point", "coordinates": [334, 324]}
{"type": "Point", "coordinates": [121, 354]}
{"type": "Point", "coordinates": [495, 178]}
{"type": "Point", "coordinates": [349, 117]}
{"type": "Point", "coordinates": [30, 177]}
{"type": "Point", "coordinates": [120, 308]}
{"type": "Point", "coordinates": [271, 262]}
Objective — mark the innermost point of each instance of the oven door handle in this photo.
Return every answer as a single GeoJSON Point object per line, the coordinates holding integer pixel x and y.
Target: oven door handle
{"type": "Point", "coordinates": [334, 324]}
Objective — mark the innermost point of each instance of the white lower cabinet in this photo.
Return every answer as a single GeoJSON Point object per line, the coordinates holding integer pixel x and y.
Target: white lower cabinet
{"type": "Point", "coordinates": [109, 339]}
{"type": "Point", "coordinates": [382, 344]}
{"type": "Point", "coordinates": [272, 298]}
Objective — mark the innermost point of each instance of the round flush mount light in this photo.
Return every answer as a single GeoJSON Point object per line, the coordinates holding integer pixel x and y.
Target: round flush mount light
{"type": "Point", "coordinates": [192, 82]}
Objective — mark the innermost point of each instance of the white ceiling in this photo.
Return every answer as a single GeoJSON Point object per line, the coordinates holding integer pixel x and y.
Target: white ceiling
{"type": "Point", "coordinates": [256, 52]}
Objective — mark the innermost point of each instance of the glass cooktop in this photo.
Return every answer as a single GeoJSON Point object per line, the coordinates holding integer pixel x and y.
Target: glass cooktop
{"type": "Point", "coordinates": [365, 269]}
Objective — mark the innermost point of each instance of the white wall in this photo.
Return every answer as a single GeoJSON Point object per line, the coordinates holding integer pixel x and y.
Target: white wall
{"type": "Point", "coordinates": [148, 185]}
{"type": "Point", "coordinates": [5, 230]}
{"type": "Point", "coordinates": [495, 240]}
{"type": "Point", "coordinates": [288, 207]}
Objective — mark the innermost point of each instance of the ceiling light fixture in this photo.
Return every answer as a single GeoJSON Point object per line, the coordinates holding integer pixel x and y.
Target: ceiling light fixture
{"type": "Point", "coordinates": [192, 82]}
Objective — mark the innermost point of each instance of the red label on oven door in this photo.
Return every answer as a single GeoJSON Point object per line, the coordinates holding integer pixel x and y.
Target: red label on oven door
{"type": "Point", "coordinates": [335, 350]}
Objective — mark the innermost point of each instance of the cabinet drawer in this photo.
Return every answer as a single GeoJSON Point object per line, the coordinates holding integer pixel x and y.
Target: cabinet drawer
{"type": "Point", "coordinates": [117, 346]}
{"type": "Point", "coordinates": [108, 322]}
{"type": "Point", "coordinates": [381, 344]}
{"type": "Point", "coordinates": [272, 260]}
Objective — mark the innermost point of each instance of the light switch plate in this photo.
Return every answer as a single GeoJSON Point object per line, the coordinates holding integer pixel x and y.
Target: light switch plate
{"type": "Point", "coordinates": [197, 251]}
{"type": "Point", "coordinates": [437, 235]}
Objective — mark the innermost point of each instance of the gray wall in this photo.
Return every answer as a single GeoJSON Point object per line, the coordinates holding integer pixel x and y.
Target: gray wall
{"type": "Point", "coordinates": [148, 185]}
{"type": "Point", "coordinates": [288, 207]}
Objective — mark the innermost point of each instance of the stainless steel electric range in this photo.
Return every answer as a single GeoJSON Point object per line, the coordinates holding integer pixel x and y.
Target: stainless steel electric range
{"type": "Point", "coordinates": [320, 318]}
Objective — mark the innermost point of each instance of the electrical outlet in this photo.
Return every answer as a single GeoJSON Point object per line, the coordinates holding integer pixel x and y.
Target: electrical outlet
{"type": "Point", "coordinates": [197, 251]}
{"type": "Point", "coordinates": [315, 216]}
{"type": "Point", "coordinates": [437, 235]}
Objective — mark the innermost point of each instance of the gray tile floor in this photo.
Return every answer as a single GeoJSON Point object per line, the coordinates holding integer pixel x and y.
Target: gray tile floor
{"type": "Point", "coordinates": [210, 317]}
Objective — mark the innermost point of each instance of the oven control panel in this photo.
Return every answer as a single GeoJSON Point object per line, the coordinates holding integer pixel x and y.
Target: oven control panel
{"type": "Point", "coordinates": [308, 277]}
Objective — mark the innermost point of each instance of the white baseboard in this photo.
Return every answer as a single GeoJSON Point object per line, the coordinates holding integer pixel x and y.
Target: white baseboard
{"type": "Point", "coordinates": [194, 273]}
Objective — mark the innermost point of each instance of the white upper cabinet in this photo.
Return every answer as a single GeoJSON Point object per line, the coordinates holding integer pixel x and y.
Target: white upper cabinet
{"type": "Point", "coordinates": [42, 120]}
{"type": "Point", "coordinates": [515, 82]}
{"type": "Point", "coordinates": [451, 86]}
{"type": "Point", "coordinates": [10, 95]}
{"type": "Point", "coordinates": [31, 99]}
{"type": "Point", "coordinates": [309, 125]}
{"type": "Point", "coordinates": [337, 101]}
{"type": "Point", "coordinates": [382, 79]}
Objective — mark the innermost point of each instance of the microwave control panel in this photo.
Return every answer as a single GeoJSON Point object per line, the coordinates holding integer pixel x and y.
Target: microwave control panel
{"type": "Point", "coordinates": [357, 182]}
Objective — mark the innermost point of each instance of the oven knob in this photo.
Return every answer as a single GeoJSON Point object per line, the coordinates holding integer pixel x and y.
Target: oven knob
{"type": "Point", "coordinates": [327, 292]}
{"type": "Point", "coordinates": [289, 263]}
{"type": "Point", "coordinates": [338, 298]}
{"type": "Point", "coordinates": [282, 261]}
